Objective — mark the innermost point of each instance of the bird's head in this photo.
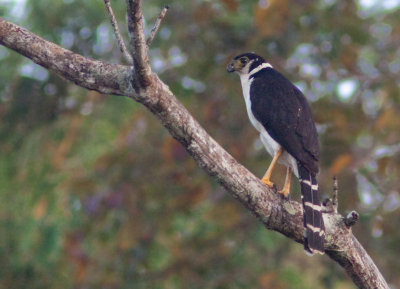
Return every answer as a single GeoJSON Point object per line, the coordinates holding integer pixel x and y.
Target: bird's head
{"type": "Point", "coordinates": [244, 63]}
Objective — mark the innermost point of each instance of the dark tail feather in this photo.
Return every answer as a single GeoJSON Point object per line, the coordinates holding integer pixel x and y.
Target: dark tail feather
{"type": "Point", "coordinates": [313, 222]}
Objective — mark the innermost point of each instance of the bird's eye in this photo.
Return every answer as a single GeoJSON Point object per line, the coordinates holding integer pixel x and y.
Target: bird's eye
{"type": "Point", "coordinates": [243, 60]}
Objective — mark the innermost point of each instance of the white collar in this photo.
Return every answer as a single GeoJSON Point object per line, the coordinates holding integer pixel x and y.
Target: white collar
{"type": "Point", "coordinates": [258, 68]}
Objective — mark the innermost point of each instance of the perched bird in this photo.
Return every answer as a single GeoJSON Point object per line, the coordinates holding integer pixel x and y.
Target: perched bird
{"type": "Point", "coordinates": [281, 114]}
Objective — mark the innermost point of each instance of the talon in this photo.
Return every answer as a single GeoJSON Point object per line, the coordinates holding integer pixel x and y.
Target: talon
{"type": "Point", "coordinates": [267, 182]}
{"type": "Point", "coordinates": [286, 188]}
{"type": "Point", "coordinates": [266, 178]}
{"type": "Point", "coordinates": [285, 193]}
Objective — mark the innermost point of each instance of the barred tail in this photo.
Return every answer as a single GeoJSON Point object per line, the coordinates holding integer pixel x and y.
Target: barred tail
{"type": "Point", "coordinates": [314, 229]}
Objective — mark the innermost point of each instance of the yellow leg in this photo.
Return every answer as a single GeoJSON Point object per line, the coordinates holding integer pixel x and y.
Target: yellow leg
{"type": "Point", "coordinates": [286, 188]}
{"type": "Point", "coordinates": [267, 176]}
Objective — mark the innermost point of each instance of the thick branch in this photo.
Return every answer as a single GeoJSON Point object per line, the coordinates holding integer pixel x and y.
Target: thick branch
{"type": "Point", "coordinates": [277, 214]}
{"type": "Point", "coordinates": [85, 72]}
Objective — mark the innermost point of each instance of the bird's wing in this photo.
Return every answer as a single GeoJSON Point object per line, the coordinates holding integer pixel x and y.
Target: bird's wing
{"type": "Point", "coordinates": [285, 114]}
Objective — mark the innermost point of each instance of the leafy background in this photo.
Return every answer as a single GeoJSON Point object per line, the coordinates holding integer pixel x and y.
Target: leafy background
{"type": "Point", "coordinates": [95, 194]}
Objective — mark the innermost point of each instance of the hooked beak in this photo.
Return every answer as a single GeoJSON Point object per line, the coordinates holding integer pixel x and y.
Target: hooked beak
{"type": "Point", "coordinates": [230, 67]}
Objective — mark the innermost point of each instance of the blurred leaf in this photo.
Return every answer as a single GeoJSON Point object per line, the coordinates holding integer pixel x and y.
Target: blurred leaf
{"type": "Point", "coordinates": [39, 210]}
{"type": "Point", "coordinates": [270, 280]}
{"type": "Point", "coordinates": [271, 17]}
{"type": "Point", "coordinates": [231, 4]}
{"type": "Point", "coordinates": [388, 119]}
{"type": "Point", "coordinates": [340, 163]}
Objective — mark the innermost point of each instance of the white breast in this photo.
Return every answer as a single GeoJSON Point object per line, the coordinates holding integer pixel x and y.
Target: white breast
{"type": "Point", "coordinates": [269, 143]}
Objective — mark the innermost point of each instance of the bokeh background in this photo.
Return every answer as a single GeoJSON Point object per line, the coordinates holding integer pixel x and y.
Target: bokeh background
{"type": "Point", "coordinates": [94, 193]}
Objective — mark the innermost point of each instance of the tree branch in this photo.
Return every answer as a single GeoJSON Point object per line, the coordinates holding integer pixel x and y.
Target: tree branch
{"type": "Point", "coordinates": [351, 218]}
{"type": "Point", "coordinates": [331, 205]}
{"type": "Point", "coordinates": [335, 202]}
{"type": "Point", "coordinates": [137, 42]}
{"type": "Point", "coordinates": [284, 216]}
{"type": "Point", "coordinates": [85, 72]}
{"type": "Point", "coordinates": [157, 25]}
{"type": "Point", "coordinates": [121, 43]}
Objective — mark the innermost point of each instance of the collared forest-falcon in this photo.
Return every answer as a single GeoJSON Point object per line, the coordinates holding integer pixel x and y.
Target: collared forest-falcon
{"type": "Point", "coordinates": [281, 114]}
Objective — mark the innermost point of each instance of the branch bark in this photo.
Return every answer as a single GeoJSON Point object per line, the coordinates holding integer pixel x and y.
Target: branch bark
{"type": "Point", "coordinates": [138, 42]}
{"type": "Point", "coordinates": [283, 216]}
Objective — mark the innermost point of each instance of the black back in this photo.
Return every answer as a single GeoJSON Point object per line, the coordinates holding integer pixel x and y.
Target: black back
{"type": "Point", "coordinates": [286, 115]}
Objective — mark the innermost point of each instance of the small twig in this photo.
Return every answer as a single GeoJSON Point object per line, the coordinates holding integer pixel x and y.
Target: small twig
{"type": "Point", "coordinates": [332, 204]}
{"type": "Point", "coordinates": [157, 25]}
{"type": "Point", "coordinates": [121, 43]}
{"type": "Point", "coordinates": [335, 202]}
{"type": "Point", "coordinates": [351, 218]}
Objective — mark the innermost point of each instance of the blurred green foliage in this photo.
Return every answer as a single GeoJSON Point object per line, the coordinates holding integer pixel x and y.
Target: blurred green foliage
{"type": "Point", "coordinates": [95, 194]}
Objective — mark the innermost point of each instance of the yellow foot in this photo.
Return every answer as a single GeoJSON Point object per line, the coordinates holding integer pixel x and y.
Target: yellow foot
{"type": "Point", "coordinates": [267, 182]}
{"type": "Point", "coordinates": [285, 192]}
